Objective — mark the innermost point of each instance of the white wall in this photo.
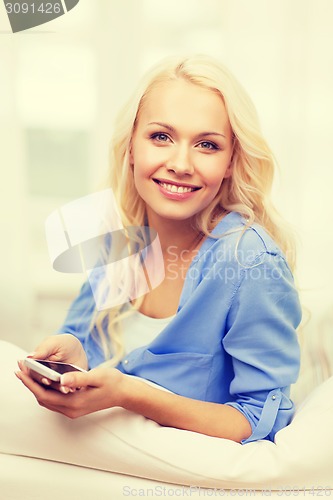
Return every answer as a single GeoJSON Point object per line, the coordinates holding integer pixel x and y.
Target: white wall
{"type": "Point", "coordinates": [75, 71]}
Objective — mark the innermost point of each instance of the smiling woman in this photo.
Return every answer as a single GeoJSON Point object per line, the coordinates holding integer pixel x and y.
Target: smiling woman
{"type": "Point", "coordinates": [188, 159]}
{"type": "Point", "coordinates": [180, 151]}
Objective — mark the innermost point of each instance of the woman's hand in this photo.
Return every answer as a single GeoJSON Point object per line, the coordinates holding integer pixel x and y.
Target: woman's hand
{"type": "Point", "coordinates": [64, 347]}
{"type": "Point", "coordinates": [100, 388]}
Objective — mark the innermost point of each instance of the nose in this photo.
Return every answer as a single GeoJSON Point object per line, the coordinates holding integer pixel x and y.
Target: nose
{"type": "Point", "coordinates": [180, 162]}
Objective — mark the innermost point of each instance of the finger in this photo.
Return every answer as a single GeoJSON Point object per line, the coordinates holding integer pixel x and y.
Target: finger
{"type": "Point", "coordinates": [22, 367]}
{"type": "Point", "coordinates": [42, 380]}
{"type": "Point", "coordinates": [30, 383]}
{"type": "Point", "coordinates": [65, 404]}
{"type": "Point", "coordinates": [39, 378]}
{"type": "Point", "coordinates": [58, 348]}
{"type": "Point", "coordinates": [56, 407]}
{"type": "Point", "coordinates": [56, 386]}
{"type": "Point", "coordinates": [77, 380]}
{"type": "Point", "coordinates": [41, 393]}
{"type": "Point", "coordinates": [46, 381]}
{"type": "Point", "coordinates": [47, 349]}
{"type": "Point", "coordinates": [70, 405]}
{"type": "Point", "coordinates": [32, 355]}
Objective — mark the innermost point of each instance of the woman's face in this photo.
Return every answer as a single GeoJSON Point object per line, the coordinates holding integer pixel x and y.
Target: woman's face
{"type": "Point", "coordinates": [180, 150]}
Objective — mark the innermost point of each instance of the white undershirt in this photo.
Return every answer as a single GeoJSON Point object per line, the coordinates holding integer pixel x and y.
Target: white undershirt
{"type": "Point", "coordinates": [140, 330]}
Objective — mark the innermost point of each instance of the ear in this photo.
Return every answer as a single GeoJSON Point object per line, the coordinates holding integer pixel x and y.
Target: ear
{"type": "Point", "coordinates": [228, 172]}
{"type": "Point", "coordinates": [131, 157]}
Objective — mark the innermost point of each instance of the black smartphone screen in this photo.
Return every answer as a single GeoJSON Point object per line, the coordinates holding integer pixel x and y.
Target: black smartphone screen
{"type": "Point", "coordinates": [58, 367]}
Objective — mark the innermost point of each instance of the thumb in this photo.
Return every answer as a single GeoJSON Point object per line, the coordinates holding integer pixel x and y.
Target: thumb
{"type": "Point", "coordinates": [76, 380]}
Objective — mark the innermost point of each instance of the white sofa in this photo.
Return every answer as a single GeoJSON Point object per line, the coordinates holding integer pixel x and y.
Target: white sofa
{"type": "Point", "coordinates": [114, 453]}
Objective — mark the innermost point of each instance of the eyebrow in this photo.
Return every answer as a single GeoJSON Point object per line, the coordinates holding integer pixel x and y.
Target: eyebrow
{"type": "Point", "coordinates": [169, 127]}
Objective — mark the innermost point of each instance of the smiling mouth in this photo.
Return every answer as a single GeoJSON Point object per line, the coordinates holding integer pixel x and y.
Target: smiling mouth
{"type": "Point", "coordinates": [176, 188]}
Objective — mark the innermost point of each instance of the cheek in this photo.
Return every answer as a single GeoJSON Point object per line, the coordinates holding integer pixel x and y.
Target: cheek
{"type": "Point", "coordinates": [214, 176]}
{"type": "Point", "coordinates": [139, 166]}
{"type": "Point", "coordinates": [143, 170]}
{"type": "Point", "coordinates": [146, 162]}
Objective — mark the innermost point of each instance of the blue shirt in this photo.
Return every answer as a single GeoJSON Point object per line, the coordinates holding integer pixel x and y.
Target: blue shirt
{"type": "Point", "coordinates": [233, 339]}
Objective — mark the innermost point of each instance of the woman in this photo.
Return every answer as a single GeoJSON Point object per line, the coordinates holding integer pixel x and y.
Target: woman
{"type": "Point", "coordinates": [189, 160]}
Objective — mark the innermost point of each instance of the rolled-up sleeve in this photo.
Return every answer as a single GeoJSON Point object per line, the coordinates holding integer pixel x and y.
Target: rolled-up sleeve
{"type": "Point", "coordinates": [262, 341]}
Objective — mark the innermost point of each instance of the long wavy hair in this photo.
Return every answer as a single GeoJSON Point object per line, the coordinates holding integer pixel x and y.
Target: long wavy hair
{"type": "Point", "coordinates": [247, 190]}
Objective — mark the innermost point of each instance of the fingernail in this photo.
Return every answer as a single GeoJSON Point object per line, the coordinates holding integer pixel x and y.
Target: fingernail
{"type": "Point", "coordinates": [46, 381]}
{"type": "Point", "coordinates": [20, 365]}
{"type": "Point", "coordinates": [18, 374]}
{"type": "Point", "coordinates": [64, 390]}
{"type": "Point", "coordinates": [66, 379]}
{"type": "Point", "coordinates": [31, 355]}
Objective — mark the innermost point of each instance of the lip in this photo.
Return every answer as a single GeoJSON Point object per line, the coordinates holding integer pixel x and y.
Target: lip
{"type": "Point", "coordinates": [175, 183]}
{"type": "Point", "coordinates": [175, 196]}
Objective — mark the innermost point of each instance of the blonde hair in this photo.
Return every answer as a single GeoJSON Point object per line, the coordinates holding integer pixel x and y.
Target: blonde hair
{"type": "Point", "coordinates": [246, 191]}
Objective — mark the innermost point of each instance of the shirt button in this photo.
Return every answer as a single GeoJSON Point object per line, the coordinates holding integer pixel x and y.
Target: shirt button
{"type": "Point", "coordinates": [126, 362]}
{"type": "Point", "coordinates": [274, 397]}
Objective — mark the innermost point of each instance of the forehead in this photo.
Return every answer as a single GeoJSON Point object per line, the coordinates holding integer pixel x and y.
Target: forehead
{"type": "Point", "coordinates": [181, 103]}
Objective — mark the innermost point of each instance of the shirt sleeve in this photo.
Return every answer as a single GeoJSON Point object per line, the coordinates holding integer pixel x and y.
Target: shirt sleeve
{"type": "Point", "coordinates": [78, 322]}
{"type": "Point", "coordinates": [262, 341]}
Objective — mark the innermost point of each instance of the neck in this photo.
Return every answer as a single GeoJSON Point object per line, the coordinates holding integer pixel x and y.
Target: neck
{"type": "Point", "coordinates": [179, 234]}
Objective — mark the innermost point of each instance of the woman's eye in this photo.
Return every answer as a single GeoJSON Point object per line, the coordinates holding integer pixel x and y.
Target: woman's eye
{"type": "Point", "coordinates": [208, 145]}
{"type": "Point", "coordinates": [160, 137]}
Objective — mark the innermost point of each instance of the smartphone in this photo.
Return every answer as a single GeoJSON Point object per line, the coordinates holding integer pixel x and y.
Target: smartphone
{"type": "Point", "coordinates": [52, 370]}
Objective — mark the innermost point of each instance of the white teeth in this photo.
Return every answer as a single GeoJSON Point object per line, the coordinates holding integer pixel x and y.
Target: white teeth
{"type": "Point", "coordinates": [176, 189]}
